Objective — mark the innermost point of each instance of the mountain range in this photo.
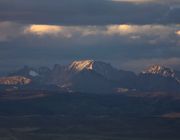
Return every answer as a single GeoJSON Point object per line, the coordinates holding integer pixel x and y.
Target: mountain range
{"type": "Point", "coordinates": [89, 76]}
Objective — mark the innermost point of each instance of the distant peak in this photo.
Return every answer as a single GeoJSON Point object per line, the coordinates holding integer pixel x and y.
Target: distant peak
{"type": "Point", "coordinates": [158, 69]}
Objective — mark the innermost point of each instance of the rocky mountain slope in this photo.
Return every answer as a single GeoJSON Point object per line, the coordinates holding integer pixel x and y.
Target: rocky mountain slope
{"type": "Point", "coordinates": [15, 80]}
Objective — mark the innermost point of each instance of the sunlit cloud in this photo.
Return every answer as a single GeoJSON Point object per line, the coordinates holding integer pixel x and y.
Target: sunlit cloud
{"type": "Point", "coordinates": [120, 29]}
{"type": "Point", "coordinates": [178, 33]}
{"type": "Point", "coordinates": [86, 31]}
{"type": "Point", "coordinates": [148, 30]}
{"type": "Point", "coordinates": [44, 29]}
{"type": "Point", "coordinates": [9, 30]}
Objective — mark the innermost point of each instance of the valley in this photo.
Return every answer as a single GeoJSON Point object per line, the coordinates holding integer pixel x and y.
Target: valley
{"type": "Point", "coordinates": [90, 116]}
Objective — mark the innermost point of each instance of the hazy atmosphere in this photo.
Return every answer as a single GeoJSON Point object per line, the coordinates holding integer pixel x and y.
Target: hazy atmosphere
{"type": "Point", "coordinates": [89, 69]}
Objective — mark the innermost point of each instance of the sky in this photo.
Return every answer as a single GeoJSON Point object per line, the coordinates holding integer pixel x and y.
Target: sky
{"type": "Point", "coordinates": [129, 34]}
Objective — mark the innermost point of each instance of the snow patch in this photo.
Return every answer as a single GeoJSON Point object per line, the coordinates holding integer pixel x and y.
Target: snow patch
{"type": "Point", "coordinates": [33, 73]}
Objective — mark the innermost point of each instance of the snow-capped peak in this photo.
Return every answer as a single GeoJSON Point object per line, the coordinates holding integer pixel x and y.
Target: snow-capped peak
{"type": "Point", "coordinates": [102, 68]}
{"type": "Point", "coordinates": [81, 65]}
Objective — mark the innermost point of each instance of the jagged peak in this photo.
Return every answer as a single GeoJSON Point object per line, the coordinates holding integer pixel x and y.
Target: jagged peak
{"type": "Point", "coordinates": [90, 65]}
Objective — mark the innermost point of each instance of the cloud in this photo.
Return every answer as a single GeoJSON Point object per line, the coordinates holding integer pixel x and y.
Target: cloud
{"type": "Point", "coordinates": [9, 30]}
{"type": "Point", "coordinates": [178, 32]}
{"type": "Point", "coordinates": [120, 29]}
{"type": "Point", "coordinates": [43, 29]}
{"type": "Point", "coordinates": [110, 30]}
{"type": "Point", "coordinates": [150, 33]}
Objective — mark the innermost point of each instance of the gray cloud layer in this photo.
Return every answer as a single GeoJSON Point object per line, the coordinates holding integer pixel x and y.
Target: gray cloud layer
{"type": "Point", "coordinates": [126, 46]}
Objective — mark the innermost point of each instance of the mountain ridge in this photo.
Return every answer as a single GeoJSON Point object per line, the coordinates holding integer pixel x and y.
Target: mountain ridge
{"type": "Point", "coordinates": [96, 76]}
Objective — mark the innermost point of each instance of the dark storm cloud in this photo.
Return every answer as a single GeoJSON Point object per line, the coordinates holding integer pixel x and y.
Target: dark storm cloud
{"type": "Point", "coordinates": [88, 12]}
